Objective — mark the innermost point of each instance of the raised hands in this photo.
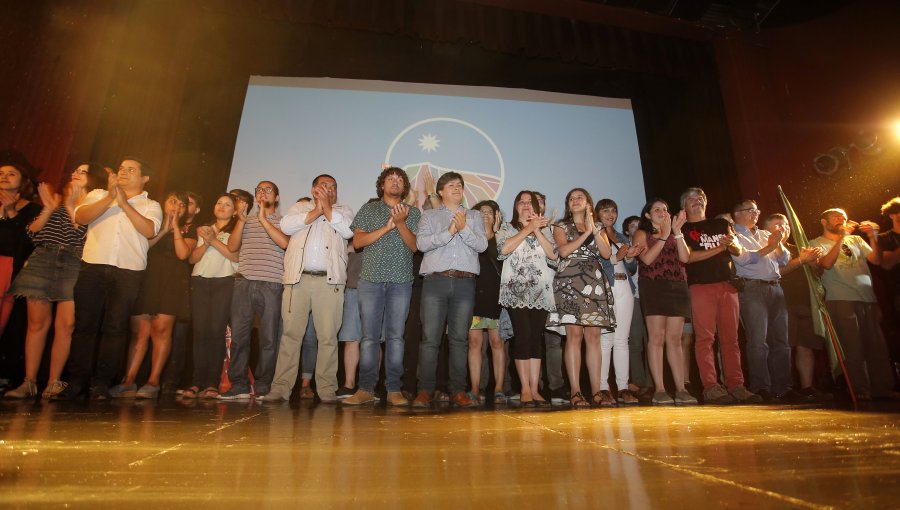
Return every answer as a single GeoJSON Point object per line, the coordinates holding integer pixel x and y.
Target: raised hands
{"type": "Point", "coordinates": [810, 255]}
{"type": "Point", "coordinates": [399, 213]}
{"type": "Point", "coordinates": [869, 228]}
{"type": "Point", "coordinates": [665, 226]}
{"type": "Point", "coordinates": [458, 221]}
{"type": "Point", "coordinates": [50, 199]}
{"type": "Point", "coordinates": [776, 235]}
{"type": "Point", "coordinates": [206, 233]}
{"type": "Point", "coordinates": [679, 220]}
{"type": "Point", "coordinates": [242, 211]}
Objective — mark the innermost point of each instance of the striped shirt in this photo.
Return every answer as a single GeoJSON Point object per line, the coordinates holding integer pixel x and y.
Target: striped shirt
{"type": "Point", "coordinates": [60, 229]}
{"type": "Point", "coordinates": [260, 258]}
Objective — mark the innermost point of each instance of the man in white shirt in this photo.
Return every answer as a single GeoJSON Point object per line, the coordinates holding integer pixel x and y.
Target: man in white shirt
{"type": "Point", "coordinates": [315, 271]}
{"type": "Point", "coordinates": [120, 219]}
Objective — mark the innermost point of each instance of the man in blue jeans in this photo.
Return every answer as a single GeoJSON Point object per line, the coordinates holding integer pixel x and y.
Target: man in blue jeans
{"type": "Point", "coordinates": [257, 290]}
{"type": "Point", "coordinates": [385, 229]}
{"type": "Point", "coordinates": [450, 237]}
{"type": "Point", "coordinates": [763, 307]}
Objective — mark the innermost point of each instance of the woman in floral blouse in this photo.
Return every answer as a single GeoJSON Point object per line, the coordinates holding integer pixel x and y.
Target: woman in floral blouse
{"type": "Point", "coordinates": [526, 288]}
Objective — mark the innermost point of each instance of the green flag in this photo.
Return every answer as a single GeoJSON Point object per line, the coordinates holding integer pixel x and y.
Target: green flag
{"type": "Point", "coordinates": [822, 324]}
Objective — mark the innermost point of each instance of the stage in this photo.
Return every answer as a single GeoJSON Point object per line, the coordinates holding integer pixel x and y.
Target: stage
{"type": "Point", "coordinates": [197, 454]}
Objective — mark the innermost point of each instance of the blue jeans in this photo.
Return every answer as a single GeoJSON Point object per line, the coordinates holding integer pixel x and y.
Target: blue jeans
{"type": "Point", "coordinates": [252, 297]}
{"type": "Point", "coordinates": [765, 318]}
{"type": "Point", "coordinates": [447, 301]}
{"type": "Point", "coordinates": [383, 307]}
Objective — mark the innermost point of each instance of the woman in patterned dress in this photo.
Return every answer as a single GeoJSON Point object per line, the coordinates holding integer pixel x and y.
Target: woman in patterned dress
{"type": "Point", "coordinates": [582, 292]}
{"type": "Point", "coordinates": [526, 288]}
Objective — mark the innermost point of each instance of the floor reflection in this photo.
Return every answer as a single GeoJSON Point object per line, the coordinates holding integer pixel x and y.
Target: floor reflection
{"type": "Point", "coordinates": [200, 454]}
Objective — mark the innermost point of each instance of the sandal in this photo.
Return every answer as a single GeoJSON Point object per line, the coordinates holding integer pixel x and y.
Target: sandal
{"type": "Point", "coordinates": [209, 393]}
{"type": "Point", "coordinates": [499, 398]}
{"type": "Point", "coordinates": [603, 398]}
{"type": "Point", "coordinates": [190, 392]}
{"type": "Point", "coordinates": [578, 401]}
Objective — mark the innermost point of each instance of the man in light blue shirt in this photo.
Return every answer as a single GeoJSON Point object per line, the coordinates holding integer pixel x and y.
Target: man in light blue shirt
{"type": "Point", "coordinates": [763, 308]}
{"type": "Point", "coordinates": [451, 237]}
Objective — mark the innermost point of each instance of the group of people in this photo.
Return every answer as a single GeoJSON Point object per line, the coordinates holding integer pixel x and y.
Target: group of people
{"type": "Point", "coordinates": [123, 271]}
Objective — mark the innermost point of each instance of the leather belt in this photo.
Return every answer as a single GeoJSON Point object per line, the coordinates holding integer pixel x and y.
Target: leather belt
{"type": "Point", "coordinates": [621, 276]}
{"type": "Point", "coordinates": [762, 282]}
{"type": "Point", "coordinates": [453, 273]}
{"type": "Point", "coordinates": [316, 273]}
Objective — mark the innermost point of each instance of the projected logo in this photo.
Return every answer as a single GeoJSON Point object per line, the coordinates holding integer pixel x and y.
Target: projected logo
{"type": "Point", "coordinates": [432, 147]}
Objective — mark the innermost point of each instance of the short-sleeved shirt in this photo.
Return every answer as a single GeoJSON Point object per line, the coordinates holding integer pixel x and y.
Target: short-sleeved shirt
{"type": "Point", "coordinates": [261, 258]}
{"type": "Point", "coordinates": [706, 235]}
{"type": "Point", "coordinates": [112, 239]}
{"type": "Point", "coordinates": [213, 264]}
{"type": "Point", "coordinates": [849, 279]}
{"type": "Point", "coordinates": [387, 260]}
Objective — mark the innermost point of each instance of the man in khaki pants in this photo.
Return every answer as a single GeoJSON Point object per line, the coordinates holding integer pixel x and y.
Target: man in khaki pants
{"type": "Point", "coordinates": [315, 271]}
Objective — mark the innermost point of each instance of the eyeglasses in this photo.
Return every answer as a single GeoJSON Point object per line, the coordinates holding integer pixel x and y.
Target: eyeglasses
{"type": "Point", "coordinates": [752, 210]}
{"type": "Point", "coordinates": [266, 189]}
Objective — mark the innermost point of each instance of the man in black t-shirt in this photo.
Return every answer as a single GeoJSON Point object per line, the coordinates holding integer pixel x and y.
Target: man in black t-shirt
{"type": "Point", "coordinates": [714, 301]}
{"type": "Point", "coordinates": [889, 243]}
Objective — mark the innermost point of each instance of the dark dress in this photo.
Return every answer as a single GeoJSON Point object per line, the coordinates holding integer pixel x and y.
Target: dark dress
{"type": "Point", "coordinates": [165, 288]}
{"type": "Point", "coordinates": [487, 285]}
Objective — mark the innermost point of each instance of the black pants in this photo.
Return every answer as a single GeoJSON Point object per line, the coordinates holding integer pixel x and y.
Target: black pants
{"type": "Point", "coordinates": [104, 302]}
{"type": "Point", "coordinates": [528, 330]}
{"type": "Point", "coordinates": [211, 302]}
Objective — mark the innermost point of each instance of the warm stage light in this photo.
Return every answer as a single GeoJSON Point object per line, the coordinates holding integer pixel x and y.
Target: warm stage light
{"type": "Point", "coordinates": [897, 128]}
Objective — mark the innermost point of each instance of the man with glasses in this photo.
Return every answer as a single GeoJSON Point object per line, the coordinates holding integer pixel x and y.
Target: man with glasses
{"type": "Point", "coordinates": [714, 300]}
{"type": "Point", "coordinates": [257, 292]}
{"type": "Point", "coordinates": [851, 301]}
{"type": "Point", "coordinates": [315, 272]}
{"type": "Point", "coordinates": [121, 219]}
{"type": "Point", "coordinates": [763, 307]}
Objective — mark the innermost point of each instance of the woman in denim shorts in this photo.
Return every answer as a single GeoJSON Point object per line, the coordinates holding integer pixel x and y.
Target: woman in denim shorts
{"type": "Point", "coordinates": [49, 276]}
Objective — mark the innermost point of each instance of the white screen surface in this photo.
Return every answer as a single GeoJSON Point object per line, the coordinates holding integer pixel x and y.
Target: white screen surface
{"type": "Point", "coordinates": [501, 140]}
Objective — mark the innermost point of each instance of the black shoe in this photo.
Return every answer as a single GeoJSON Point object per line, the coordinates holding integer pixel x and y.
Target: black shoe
{"type": "Point", "coordinates": [345, 392]}
{"type": "Point", "coordinates": [99, 392]}
{"type": "Point", "coordinates": [788, 397]}
{"type": "Point", "coordinates": [69, 394]}
{"type": "Point", "coordinates": [813, 395]}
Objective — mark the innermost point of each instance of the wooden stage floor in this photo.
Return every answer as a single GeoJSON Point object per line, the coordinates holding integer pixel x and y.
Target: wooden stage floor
{"type": "Point", "coordinates": [168, 454]}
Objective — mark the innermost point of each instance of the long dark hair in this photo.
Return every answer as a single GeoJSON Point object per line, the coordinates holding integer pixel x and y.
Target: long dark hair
{"type": "Point", "coordinates": [97, 177]}
{"type": "Point", "coordinates": [567, 215]}
{"type": "Point", "coordinates": [646, 225]}
{"type": "Point", "coordinates": [535, 205]}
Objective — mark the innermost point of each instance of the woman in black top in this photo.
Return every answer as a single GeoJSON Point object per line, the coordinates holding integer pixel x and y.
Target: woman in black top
{"type": "Point", "coordinates": [164, 296]}
{"type": "Point", "coordinates": [486, 314]}
{"type": "Point", "coordinates": [16, 212]}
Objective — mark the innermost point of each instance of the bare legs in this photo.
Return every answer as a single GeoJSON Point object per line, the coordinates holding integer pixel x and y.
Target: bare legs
{"type": "Point", "coordinates": [574, 337]}
{"type": "Point", "coordinates": [351, 363]}
{"type": "Point", "coordinates": [498, 355]}
{"type": "Point", "coordinates": [665, 332]}
{"type": "Point", "coordinates": [40, 313]}
{"type": "Point", "coordinates": [145, 328]}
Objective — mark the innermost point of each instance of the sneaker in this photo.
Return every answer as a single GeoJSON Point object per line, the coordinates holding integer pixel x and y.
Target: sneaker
{"type": "Point", "coordinates": [121, 391]}
{"type": "Point", "coordinates": [234, 395]}
{"type": "Point", "coordinates": [512, 395]}
{"type": "Point", "coordinates": [271, 397]}
{"type": "Point", "coordinates": [661, 398]}
{"type": "Point", "coordinates": [100, 392]}
{"type": "Point", "coordinates": [53, 389]}
{"type": "Point", "coordinates": [684, 398]}
{"type": "Point", "coordinates": [717, 395]}
{"type": "Point", "coordinates": [359, 398]}
{"type": "Point", "coordinates": [744, 396]}
{"type": "Point", "coordinates": [395, 398]}
{"type": "Point", "coordinates": [423, 399]}
{"type": "Point", "coordinates": [68, 394]}
{"type": "Point", "coordinates": [344, 392]}
{"type": "Point", "coordinates": [460, 399]}
{"type": "Point", "coordinates": [627, 398]}
{"type": "Point", "coordinates": [441, 397]}
{"type": "Point", "coordinates": [28, 389]}
{"type": "Point", "coordinates": [559, 396]}
{"type": "Point", "coordinates": [147, 391]}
